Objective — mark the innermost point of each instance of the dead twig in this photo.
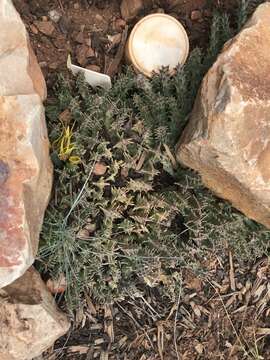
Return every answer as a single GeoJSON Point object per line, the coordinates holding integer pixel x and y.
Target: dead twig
{"type": "Point", "coordinates": [61, 6]}
{"type": "Point", "coordinates": [231, 274]}
{"type": "Point", "coordinates": [112, 68]}
{"type": "Point", "coordinates": [136, 323]}
{"type": "Point", "coordinates": [175, 323]}
{"type": "Point", "coordinates": [230, 320]}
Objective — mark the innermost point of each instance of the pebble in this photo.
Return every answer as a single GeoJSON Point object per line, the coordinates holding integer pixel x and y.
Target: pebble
{"type": "Point", "coordinates": [53, 66]}
{"type": "Point", "coordinates": [43, 64]}
{"type": "Point", "coordinates": [79, 38]}
{"type": "Point", "coordinates": [45, 27]}
{"type": "Point", "coordinates": [76, 6]}
{"type": "Point", "coordinates": [82, 53]}
{"type": "Point", "coordinates": [34, 29]}
{"type": "Point", "coordinates": [54, 15]}
{"type": "Point", "coordinates": [99, 18]}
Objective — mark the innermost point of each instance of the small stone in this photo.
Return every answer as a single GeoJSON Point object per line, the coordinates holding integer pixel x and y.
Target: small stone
{"type": "Point", "coordinates": [43, 64]}
{"type": "Point", "coordinates": [196, 15]}
{"type": "Point", "coordinates": [76, 6]}
{"type": "Point", "coordinates": [131, 8]}
{"type": "Point", "coordinates": [93, 67]}
{"type": "Point", "coordinates": [119, 25]}
{"type": "Point", "coordinates": [83, 52]}
{"type": "Point", "coordinates": [54, 15]}
{"type": "Point", "coordinates": [44, 18]}
{"type": "Point", "coordinates": [99, 18]}
{"type": "Point", "coordinates": [79, 38]}
{"type": "Point", "coordinates": [90, 52]}
{"type": "Point", "coordinates": [99, 169]}
{"type": "Point", "coordinates": [34, 29]}
{"type": "Point", "coordinates": [45, 27]}
{"type": "Point", "coordinates": [53, 65]}
{"type": "Point", "coordinates": [199, 348]}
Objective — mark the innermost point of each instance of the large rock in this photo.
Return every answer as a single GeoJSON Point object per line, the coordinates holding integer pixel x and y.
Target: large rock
{"type": "Point", "coordinates": [30, 321]}
{"type": "Point", "coordinates": [25, 168]}
{"type": "Point", "coordinates": [228, 137]}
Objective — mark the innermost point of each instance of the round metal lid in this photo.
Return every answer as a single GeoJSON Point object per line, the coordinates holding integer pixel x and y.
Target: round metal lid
{"type": "Point", "coordinates": [158, 40]}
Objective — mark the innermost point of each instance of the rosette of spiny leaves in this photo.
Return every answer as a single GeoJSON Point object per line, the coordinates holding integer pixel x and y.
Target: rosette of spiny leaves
{"type": "Point", "coordinates": [109, 233]}
{"type": "Point", "coordinates": [131, 222]}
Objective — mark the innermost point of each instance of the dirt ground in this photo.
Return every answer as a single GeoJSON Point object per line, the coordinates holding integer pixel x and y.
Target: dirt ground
{"type": "Point", "coordinates": [90, 30]}
{"type": "Point", "coordinates": [223, 317]}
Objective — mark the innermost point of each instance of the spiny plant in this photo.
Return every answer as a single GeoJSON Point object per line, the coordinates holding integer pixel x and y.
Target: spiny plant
{"type": "Point", "coordinates": [245, 8]}
{"type": "Point", "coordinates": [125, 214]}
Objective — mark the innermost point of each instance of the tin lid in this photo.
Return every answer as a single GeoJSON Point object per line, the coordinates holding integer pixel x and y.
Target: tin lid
{"type": "Point", "coordinates": [158, 40]}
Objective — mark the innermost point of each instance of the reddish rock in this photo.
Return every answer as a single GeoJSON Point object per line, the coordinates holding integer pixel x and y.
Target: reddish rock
{"type": "Point", "coordinates": [227, 138]}
{"type": "Point", "coordinates": [30, 320]}
{"type": "Point", "coordinates": [19, 70]}
{"type": "Point", "coordinates": [25, 167]}
{"type": "Point", "coordinates": [83, 52]}
{"type": "Point", "coordinates": [45, 27]}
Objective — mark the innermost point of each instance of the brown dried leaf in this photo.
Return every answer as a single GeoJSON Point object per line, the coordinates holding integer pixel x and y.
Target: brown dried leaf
{"type": "Point", "coordinates": [99, 169]}
{"type": "Point", "coordinates": [65, 116]}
